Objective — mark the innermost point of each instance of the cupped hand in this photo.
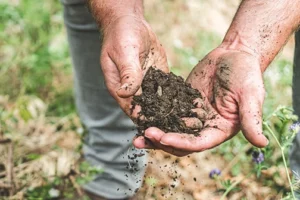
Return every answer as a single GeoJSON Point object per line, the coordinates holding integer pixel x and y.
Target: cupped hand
{"type": "Point", "coordinates": [231, 84]}
{"type": "Point", "coordinates": [129, 48]}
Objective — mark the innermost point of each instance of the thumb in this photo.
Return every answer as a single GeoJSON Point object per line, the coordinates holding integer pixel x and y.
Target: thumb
{"type": "Point", "coordinates": [130, 72]}
{"type": "Point", "coordinates": [250, 113]}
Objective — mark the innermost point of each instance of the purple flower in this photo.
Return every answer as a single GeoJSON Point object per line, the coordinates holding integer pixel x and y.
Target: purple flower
{"type": "Point", "coordinates": [295, 127]}
{"type": "Point", "coordinates": [258, 157]}
{"type": "Point", "coordinates": [214, 173]}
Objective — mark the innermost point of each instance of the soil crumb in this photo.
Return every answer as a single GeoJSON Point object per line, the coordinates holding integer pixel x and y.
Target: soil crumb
{"type": "Point", "coordinates": [165, 99]}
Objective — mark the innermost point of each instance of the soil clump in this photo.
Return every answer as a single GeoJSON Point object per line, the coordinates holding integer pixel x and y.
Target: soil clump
{"type": "Point", "coordinates": [165, 99]}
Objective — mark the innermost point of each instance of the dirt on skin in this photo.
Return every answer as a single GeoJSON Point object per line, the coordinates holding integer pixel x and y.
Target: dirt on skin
{"type": "Point", "coordinates": [164, 101]}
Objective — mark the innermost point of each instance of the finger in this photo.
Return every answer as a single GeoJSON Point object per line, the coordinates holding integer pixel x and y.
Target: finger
{"type": "Point", "coordinates": [156, 57]}
{"type": "Point", "coordinates": [192, 122]}
{"type": "Point", "coordinates": [111, 74]}
{"type": "Point", "coordinates": [199, 103]}
{"type": "Point", "coordinates": [208, 138]}
{"type": "Point", "coordinates": [201, 113]}
{"type": "Point", "coordinates": [113, 81]}
{"type": "Point", "coordinates": [155, 134]}
{"type": "Point", "coordinates": [130, 72]}
{"type": "Point", "coordinates": [142, 143]}
{"type": "Point", "coordinates": [175, 152]}
{"type": "Point", "coordinates": [161, 62]}
{"type": "Point", "coordinates": [145, 143]}
{"type": "Point", "coordinates": [251, 120]}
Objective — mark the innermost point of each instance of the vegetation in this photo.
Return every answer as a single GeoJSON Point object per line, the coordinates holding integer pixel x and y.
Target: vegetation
{"type": "Point", "coordinates": [37, 112]}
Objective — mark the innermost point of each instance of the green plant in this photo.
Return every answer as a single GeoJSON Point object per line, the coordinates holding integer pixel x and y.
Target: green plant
{"type": "Point", "coordinates": [281, 126]}
{"type": "Point", "coordinates": [285, 115]}
{"type": "Point", "coordinates": [34, 52]}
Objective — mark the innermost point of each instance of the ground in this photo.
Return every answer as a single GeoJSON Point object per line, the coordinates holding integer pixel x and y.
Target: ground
{"type": "Point", "coordinates": [40, 133]}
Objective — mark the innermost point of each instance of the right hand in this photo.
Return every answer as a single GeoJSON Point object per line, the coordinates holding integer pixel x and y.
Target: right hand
{"type": "Point", "coordinates": [129, 48]}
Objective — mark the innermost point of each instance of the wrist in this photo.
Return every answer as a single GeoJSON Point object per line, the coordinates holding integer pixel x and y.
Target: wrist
{"type": "Point", "coordinates": [237, 41]}
{"type": "Point", "coordinates": [106, 12]}
{"type": "Point", "coordinates": [262, 29]}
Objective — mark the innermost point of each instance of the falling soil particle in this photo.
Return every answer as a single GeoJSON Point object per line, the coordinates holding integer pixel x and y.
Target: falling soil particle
{"type": "Point", "coordinates": [164, 101]}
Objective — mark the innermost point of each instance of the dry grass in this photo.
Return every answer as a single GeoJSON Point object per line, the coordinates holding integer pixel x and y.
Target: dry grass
{"type": "Point", "coordinates": [55, 141]}
{"type": "Point", "coordinates": [42, 148]}
{"type": "Point", "coordinates": [184, 31]}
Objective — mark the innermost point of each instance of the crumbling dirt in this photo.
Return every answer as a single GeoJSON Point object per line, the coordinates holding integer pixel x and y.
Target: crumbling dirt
{"type": "Point", "coordinates": [164, 101]}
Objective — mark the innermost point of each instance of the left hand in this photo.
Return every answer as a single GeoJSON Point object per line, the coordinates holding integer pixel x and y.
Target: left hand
{"type": "Point", "coordinates": [129, 48]}
{"type": "Point", "coordinates": [231, 84]}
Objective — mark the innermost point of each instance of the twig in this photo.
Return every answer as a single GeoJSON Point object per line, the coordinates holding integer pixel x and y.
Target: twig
{"type": "Point", "coordinates": [10, 168]}
{"type": "Point", "coordinates": [5, 185]}
{"type": "Point", "coordinates": [77, 187]}
{"type": "Point", "coordinates": [16, 169]}
{"type": "Point", "coordinates": [5, 141]}
{"type": "Point", "coordinates": [169, 112]}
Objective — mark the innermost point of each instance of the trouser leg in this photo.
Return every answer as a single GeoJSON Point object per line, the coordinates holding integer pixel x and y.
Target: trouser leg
{"type": "Point", "coordinates": [110, 131]}
{"type": "Point", "coordinates": [295, 150]}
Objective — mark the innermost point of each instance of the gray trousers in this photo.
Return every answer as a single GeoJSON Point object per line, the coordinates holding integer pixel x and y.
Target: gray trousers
{"type": "Point", "coordinates": [110, 131]}
{"type": "Point", "coordinates": [295, 150]}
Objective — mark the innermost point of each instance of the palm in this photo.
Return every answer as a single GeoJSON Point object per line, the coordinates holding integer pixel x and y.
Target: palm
{"type": "Point", "coordinates": [232, 89]}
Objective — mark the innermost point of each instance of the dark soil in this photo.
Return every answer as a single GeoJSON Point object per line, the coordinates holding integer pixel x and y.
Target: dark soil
{"type": "Point", "coordinates": [165, 99]}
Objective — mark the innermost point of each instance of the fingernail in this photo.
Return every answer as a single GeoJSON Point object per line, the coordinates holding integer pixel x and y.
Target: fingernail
{"type": "Point", "coordinates": [161, 142]}
{"type": "Point", "coordinates": [149, 137]}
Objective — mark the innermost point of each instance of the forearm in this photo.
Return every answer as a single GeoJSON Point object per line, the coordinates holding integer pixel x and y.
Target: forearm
{"type": "Point", "coordinates": [262, 27]}
{"type": "Point", "coordinates": [107, 11]}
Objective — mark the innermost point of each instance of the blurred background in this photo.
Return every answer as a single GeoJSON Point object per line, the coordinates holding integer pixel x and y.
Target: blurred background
{"type": "Point", "coordinates": [41, 135]}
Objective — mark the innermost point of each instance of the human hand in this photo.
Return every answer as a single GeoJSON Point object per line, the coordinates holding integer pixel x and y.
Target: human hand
{"type": "Point", "coordinates": [129, 48]}
{"type": "Point", "coordinates": [231, 84]}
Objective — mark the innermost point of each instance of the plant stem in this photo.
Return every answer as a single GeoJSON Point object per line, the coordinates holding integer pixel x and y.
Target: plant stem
{"type": "Point", "coordinates": [272, 114]}
{"type": "Point", "coordinates": [273, 134]}
{"type": "Point", "coordinates": [287, 173]}
{"type": "Point", "coordinates": [230, 188]}
{"type": "Point", "coordinates": [283, 158]}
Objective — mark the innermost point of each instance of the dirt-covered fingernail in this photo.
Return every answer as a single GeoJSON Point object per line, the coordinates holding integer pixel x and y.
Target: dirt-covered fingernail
{"type": "Point", "coordinates": [163, 143]}
{"type": "Point", "coordinates": [149, 136]}
{"type": "Point", "coordinates": [199, 103]}
{"type": "Point", "coordinates": [193, 122]}
{"type": "Point", "coordinates": [201, 113]}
